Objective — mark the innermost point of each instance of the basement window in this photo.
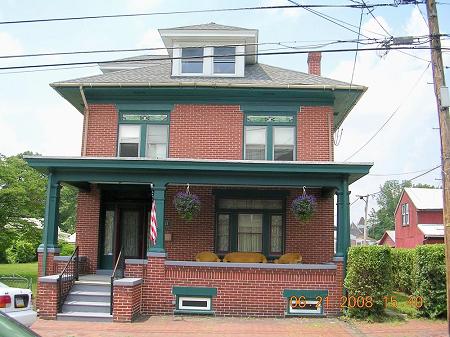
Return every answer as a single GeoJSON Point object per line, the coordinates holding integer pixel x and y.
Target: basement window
{"type": "Point", "coordinates": [194, 303]}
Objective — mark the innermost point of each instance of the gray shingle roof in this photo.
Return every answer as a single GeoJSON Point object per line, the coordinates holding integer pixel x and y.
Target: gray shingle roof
{"type": "Point", "coordinates": [159, 69]}
{"type": "Point", "coordinates": [208, 26]}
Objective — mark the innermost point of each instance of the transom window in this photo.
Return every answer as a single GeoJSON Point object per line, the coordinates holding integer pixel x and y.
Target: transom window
{"type": "Point", "coordinates": [405, 214]}
{"type": "Point", "coordinates": [270, 137]}
{"type": "Point", "coordinates": [250, 225]}
{"type": "Point", "coordinates": [143, 135]}
{"type": "Point", "coordinates": [224, 60]}
{"type": "Point", "coordinates": [192, 60]}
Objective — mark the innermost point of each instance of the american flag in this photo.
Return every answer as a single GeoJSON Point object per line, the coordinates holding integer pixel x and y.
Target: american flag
{"type": "Point", "coordinates": [153, 224]}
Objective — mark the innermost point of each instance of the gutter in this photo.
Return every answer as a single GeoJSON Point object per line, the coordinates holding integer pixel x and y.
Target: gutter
{"type": "Point", "coordinates": [209, 85]}
{"type": "Point", "coordinates": [86, 121]}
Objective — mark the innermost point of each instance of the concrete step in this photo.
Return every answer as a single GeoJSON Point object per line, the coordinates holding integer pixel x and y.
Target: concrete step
{"type": "Point", "coordinates": [89, 296]}
{"type": "Point", "coordinates": [105, 272]}
{"type": "Point", "coordinates": [86, 306]}
{"type": "Point", "coordinates": [91, 287]}
{"type": "Point", "coordinates": [84, 316]}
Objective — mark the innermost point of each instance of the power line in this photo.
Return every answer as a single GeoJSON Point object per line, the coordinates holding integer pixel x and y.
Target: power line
{"type": "Point", "coordinates": [211, 10]}
{"type": "Point", "coordinates": [396, 174]}
{"type": "Point", "coordinates": [357, 48]}
{"type": "Point", "coordinates": [390, 117]}
{"type": "Point", "coordinates": [197, 57]}
{"type": "Point", "coordinates": [420, 175]}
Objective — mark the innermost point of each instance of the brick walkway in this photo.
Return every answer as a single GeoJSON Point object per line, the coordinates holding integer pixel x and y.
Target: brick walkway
{"type": "Point", "coordinates": [158, 326]}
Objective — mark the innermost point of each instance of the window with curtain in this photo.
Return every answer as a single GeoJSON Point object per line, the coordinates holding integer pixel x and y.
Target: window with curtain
{"type": "Point", "coordinates": [250, 225]}
{"type": "Point", "coordinates": [283, 143]}
{"type": "Point", "coordinates": [157, 141]}
{"type": "Point", "coordinates": [255, 142]}
{"type": "Point", "coordinates": [129, 139]}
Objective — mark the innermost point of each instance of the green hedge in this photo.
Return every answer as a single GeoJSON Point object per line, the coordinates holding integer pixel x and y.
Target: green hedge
{"type": "Point", "coordinates": [21, 251]}
{"type": "Point", "coordinates": [66, 248]}
{"type": "Point", "coordinates": [403, 261]}
{"type": "Point", "coordinates": [369, 274]}
{"type": "Point", "coordinates": [429, 275]}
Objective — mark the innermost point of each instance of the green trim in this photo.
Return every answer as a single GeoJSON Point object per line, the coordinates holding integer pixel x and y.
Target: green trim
{"type": "Point", "coordinates": [342, 100]}
{"type": "Point", "coordinates": [193, 312]}
{"type": "Point", "coordinates": [194, 291]}
{"type": "Point", "coordinates": [310, 294]}
{"type": "Point", "coordinates": [159, 197]}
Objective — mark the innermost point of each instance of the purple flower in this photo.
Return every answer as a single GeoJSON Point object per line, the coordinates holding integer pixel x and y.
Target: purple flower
{"type": "Point", "coordinates": [187, 205]}
{"type": "Point", "coordinates": [303, 207]}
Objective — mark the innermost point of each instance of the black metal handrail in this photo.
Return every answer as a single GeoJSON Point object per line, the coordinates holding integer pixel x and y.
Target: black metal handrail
{"type": "Point", "coordinates": [67, 278]}
{"type": "Point", "coordinates": [118, 272]}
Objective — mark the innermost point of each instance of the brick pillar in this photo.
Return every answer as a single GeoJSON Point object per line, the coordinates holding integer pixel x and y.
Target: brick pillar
{"type": "Point", "coordinates": [314, 59]}
{"type": "Point", "coordinates": [50, 268]}
{"type": "Point", "coordinates": [157, 292]}
{"type": "Point", "coordinates": [127, 299]}
{"type": "Point", "coordinates": [337, 290]}
{"type": "Point", "coordinates": [47, 299]}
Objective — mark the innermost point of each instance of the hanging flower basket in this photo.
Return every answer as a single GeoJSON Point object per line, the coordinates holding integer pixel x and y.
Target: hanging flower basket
{"type": "Point", "coordinates": [303, 207]}
{"type": "Point", "coordinates": [187, 205]}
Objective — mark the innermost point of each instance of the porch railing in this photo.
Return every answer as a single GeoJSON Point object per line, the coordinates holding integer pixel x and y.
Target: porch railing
{"type": "Point", "coordinates": [67, 278]}
{"type": "Point", "coordinates": [118, 272]}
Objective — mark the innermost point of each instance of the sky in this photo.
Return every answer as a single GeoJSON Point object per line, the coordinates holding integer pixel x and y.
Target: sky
{"type": "Point", "coordinates": [33, 117]}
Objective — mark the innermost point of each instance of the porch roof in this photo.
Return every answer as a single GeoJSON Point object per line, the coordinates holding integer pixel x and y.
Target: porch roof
{"type": "Point", "coordinates": [76, 170]}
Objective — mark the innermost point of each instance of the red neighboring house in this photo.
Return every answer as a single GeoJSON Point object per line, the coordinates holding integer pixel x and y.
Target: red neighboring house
{"type": "Point", "coordinates": [388, 239]}
{"type": "Point", "coordinates": [419, 218]}
{"type": "Point", "coordinates": [247, 138]}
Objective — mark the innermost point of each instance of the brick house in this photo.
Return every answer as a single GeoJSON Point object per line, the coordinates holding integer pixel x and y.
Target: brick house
{"type": "Point", "coordinates": [247, 138]}
{"type": "Point", "coordinates": [419, 217]}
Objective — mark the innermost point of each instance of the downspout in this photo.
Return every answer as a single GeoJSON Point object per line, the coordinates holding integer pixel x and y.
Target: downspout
{"type": "Point", "coordinates": [86, 122]}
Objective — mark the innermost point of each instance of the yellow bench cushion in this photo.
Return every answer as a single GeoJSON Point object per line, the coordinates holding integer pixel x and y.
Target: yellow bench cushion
{"type": "Point", "coordinates": [245, 257]}
{"type": "Point", "coordinates": [289, 258]}
{"type": "Point", "coordinates": [206, 257]}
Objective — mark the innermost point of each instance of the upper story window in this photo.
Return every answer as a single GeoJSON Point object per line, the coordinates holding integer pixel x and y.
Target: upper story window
{"type": "Point", "coordinates": [224, 60]}
{"type": "Point", "coordinates": [143, 135]}
{"type": "Point", "coordinates": [405, 214]}
{"type": "Point", "coordinates": [220, 61]}
{"type": "Point", "coordinates": [192, 60]}
{"type": "Point", "coordinates": [270, 137]}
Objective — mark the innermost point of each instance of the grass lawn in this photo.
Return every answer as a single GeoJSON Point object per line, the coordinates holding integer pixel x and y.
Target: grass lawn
{"type": "Point", "coordinates": [403, 306]}
{"type": "Point", "coordinates": [28, 270]}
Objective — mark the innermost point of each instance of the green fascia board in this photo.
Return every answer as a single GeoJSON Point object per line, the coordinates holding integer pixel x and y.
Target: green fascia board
{"type": "Point", "coordinates": [307, 293]}
{"type": "Point", "coordinates": [342, 100]}
{"type": "Point", "coordinates": [202, 170]}
{"type": "Point", "coordinates": [194, 291]}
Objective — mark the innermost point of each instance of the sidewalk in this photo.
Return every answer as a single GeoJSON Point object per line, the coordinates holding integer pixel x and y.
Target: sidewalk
{"type": "Point", "coordinates": [158, 326]}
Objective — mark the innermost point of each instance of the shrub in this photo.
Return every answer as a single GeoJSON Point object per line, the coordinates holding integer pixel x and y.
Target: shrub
{"type": "Point", "coordinates": [66, 248]}
{"type": "Point", "coordinates": [21, 251]}
{"type": "Point", "coordinates": [429, 275]}
{"type": "Point", "coordinates": [403, 261]}
{"type": "Point", "coordinates": [369, 274]}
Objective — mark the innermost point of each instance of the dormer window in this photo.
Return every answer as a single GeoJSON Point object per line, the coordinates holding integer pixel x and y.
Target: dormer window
{"type": "Point", "coordinates": [192, 60]}
{"type": "Point", "coordinates": [224, 60]}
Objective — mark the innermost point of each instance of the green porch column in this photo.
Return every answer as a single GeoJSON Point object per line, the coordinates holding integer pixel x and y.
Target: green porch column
{"type": "Point", "coordinates": [51, 220]}
{"type": "Point", "coordinates": [159, 197]}
{"type": "Point", "coordinates": [343, 220]}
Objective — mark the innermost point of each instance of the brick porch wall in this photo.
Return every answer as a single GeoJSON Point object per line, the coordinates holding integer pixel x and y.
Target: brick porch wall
{"type": "Point", "coordinates": [50, 264]}
{"type": "Point", "coordinates": [87, 228]}
{"type": "Point", "coordinates": [313, 239]}
{"type": "Point", "coordinates": [240, 291]}
{"type": "Point", "coordinates": [101, 140]}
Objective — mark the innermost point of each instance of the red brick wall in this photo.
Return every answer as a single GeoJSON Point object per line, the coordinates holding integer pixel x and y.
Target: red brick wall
{"type": "Point", "coordinates": [313, 239]}
{"type": "Point", "coordinates": [135, 270]}
{"type": "Point", "coordinates": [88, 218]}
{"type": "Point", "coordinates": [50, 264]}
{"type": "Point", "coordinates": [102, 130]}
{"type": "Point", "coordinates": [47, 300]}
{"type": "Point", "coordinates": [127, 303]}
{"type": "Point", "coordinates": [314, 133]}
{"type": "Point", "coordinates": [206, 132]}
{"type": "Point", "coordinates": [240, 291]}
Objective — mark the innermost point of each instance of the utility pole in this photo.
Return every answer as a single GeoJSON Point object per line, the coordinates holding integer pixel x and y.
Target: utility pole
{"type": "Point", "coordinates": [444, 125]}
{"type": "Point", "coordinates": [366, 200]}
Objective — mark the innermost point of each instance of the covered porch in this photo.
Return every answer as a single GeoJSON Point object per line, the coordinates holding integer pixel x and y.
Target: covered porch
{"type": "Point", "coordinates": [120, 189]}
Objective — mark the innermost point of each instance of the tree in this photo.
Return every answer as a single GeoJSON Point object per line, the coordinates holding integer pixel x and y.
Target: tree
{"type": "Point", "coordinates": [383, 219]}
{"type": "Point", "coordinates": [67, 208]}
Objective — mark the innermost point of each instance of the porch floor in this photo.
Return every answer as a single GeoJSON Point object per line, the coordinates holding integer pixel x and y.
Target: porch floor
{"type": "Point", "coordinates": [95, 278]}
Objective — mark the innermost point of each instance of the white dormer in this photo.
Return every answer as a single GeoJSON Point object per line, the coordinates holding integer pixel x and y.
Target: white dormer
{"type": "Point", "coordinates": [210, 49]}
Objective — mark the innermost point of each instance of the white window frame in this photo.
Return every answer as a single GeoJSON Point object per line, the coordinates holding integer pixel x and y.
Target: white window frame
{"type": "Point", "coordinates": [405, 214]}
{"type": "Point", "coordinates": [303, 311]}
{"type": "Point", "coordinates": [190, 298]}
{"type": "Point", "coordinates": [119, 139]}
{"type": "Point", "coordinates": [208, 60]}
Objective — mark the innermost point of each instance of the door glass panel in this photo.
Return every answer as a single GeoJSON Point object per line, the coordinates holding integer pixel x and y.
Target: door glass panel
{"type": "Point", "coordinates": [250, 232]}
{"type": "Point", "coordinates": [109, 230]}
{"type": "Point", "coordinates": [276, 234]}
{"type": "Point", "coordinates": [223, 230]}
{"type": "Point", "coordinates": [130, 233]}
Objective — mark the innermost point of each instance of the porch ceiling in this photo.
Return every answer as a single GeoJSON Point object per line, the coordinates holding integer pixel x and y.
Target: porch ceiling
{"type": "Point", "coordinates": [79, 170]}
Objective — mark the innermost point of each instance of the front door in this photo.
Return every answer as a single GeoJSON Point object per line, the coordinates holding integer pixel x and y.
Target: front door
{"type": "Point", "coordinates": [122, 226]}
